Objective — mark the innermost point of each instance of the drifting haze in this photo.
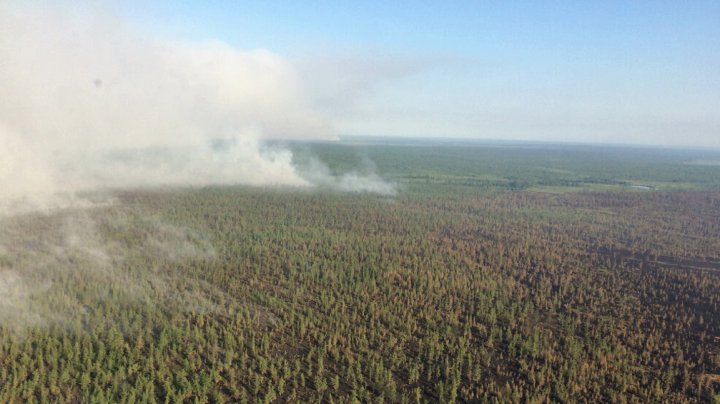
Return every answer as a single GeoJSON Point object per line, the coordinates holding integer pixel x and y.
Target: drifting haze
{"type": "Point", "coordinates": [86, 103]}
{"type": "Point", "coordinates": [73, 260]}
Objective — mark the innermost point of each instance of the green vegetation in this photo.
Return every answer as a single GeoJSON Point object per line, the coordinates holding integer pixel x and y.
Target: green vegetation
{"type": "Point", "coordinates": [429, 166]}
{"type": "Point", "coordinates": [468, 285]}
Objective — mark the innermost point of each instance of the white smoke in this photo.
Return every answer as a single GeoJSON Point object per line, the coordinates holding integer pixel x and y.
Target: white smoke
{"type": "Point", "coordinates": [364, 179]}
{"type": "Point", "coordinates": [48, 262]}
{"type": "Point", "coordinates": [75, 89]}
{"type": "Point", "coordinates": [87, 102]}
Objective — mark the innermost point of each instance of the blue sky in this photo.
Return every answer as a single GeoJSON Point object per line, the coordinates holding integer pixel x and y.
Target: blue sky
{"type": "Point", "coordinates": [603, 71]}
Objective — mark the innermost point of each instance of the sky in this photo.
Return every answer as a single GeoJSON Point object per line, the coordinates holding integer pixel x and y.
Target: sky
{"type": "Point", "coordinates": [645, 72]}
{"type": "Point", "coordinates": [636, 72]}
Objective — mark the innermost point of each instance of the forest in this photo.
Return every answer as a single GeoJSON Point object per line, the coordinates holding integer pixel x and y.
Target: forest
{"type": "Point", "coordinates": [495, 272]}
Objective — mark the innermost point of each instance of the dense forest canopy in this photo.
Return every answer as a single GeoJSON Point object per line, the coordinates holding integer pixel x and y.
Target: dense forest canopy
{"type": "Point", "coordinates": [495, 272]}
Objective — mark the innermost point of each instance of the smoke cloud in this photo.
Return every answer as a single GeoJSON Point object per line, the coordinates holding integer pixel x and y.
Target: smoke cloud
{"type": "Point", "coordinates": [74, 259]}
{"type": "Point", "coordinates": [363, 179]}
{"type": "Point", "coordinates": [88, 103]}
{"type": "Point", "coordinates": [85, 102]}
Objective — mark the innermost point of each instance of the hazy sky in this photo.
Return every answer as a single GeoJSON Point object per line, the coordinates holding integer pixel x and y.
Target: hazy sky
{"type": "Point", "coordinates": [601, 71]}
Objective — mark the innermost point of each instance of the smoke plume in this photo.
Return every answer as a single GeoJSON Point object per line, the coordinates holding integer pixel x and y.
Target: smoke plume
{"type": "Point", "coordinates": [54, 267]}
{"type": "Point", "coordinates": [363, 179]}
{"type": "Point", "coordinates": [86, 102]}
